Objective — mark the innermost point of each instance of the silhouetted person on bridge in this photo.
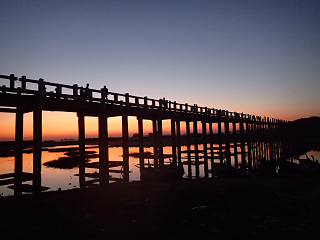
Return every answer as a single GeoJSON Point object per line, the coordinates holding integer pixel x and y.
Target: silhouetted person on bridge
{"type": "Point", "coordinates": [86, 91]}
{"type": "Point", "coordinates": [82, 93]}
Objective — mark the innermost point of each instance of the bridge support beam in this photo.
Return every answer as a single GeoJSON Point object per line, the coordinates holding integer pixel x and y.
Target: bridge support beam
{"type": "Point", "coordinates": [141, 149]}
{"type": "Point", "coordinates": [248, 133]}
{"type": "Point", "coordinates": [82, 148]}
{"type": "Point", "coordinates": [243, 153]}
{"type": "Point", "coordinates": [211, 147]}
{"type": "Point", "coordinates": [220, 140]}
{"type": "Point", "coordinates": [18, 152]}
{"type": "Point", "coordinates": [189, 149]}
{"type": "Point", "coordinates": [155, 143]}
{"type": "Point", "coordinates": [103, 150]}
{"type": "Point", "coordinates": [227, 139]}
{"type": "Point", "coordinates": [174, 141]}
{"type": "Point", "coordinates": [178, 142]}
{"type": "Point", "coordinates": [160, 142]}
{"type": "Point", "coordinates": [205, 148]}
{"type": "Point", "coordinates": [196, 147]}
{"type": "Point", "coordinates": [235, 142]}
{"type": "Point", "coordinates": [37, 146]}
{"type": "Point", "coordinates": [125, 140]}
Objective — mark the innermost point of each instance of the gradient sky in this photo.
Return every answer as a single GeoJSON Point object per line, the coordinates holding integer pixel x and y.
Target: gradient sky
{"type": "Point", "coordinates": [256, 57]}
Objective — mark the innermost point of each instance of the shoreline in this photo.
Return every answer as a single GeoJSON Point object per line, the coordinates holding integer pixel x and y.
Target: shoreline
{"type": "Point", "coordinates": [219, 208]}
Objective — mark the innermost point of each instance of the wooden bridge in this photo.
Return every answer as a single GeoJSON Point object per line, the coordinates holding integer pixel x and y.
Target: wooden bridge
{"type": "Point", "coordinates": [256, 137]}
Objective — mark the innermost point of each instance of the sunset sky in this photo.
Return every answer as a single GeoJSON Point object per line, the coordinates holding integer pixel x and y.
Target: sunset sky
{"type": "Point", "coordinates": [256, 57]}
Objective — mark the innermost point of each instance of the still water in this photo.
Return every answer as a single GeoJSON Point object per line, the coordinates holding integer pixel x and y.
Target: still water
{"type": "Point", "coordinates": [64, 179]}
{"type": "Point", "coordinates": [56, 178]}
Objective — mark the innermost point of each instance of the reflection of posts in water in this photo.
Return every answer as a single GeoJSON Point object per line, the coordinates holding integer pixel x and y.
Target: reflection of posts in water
{"type": "Point", "coordinates": [81, 149]}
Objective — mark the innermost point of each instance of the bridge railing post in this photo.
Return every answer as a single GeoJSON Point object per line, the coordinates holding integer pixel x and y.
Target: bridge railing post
{"type": "Point", "coordinates": [75, 92]}
{"type": "Point", "coordinates": [127, 101]}
{"type": "Point", "coordinates": [41, 89]}
{"type": "Point", "coordinates": [58, 91]}
{"type": "Point", "coordinates": [104, 94]}
{"type": "Point", "coordinates": [145, 104]}
{"type": "Point", "coordinates": [12, 79]}
{"type": "Point", "coordinates": [160, 105]}
{"type": "Point", "coordinates": [23, 81]}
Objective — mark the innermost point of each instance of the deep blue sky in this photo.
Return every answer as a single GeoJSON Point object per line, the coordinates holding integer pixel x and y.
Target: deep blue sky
{"type": "Point", "coordinates": [256, 57]}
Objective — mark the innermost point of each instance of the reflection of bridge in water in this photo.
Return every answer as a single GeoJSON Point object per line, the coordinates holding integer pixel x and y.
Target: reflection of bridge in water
{"type": "Point", "coordinates": [241, 138]}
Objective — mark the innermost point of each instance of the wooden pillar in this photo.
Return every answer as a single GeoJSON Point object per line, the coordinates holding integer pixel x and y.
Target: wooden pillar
{"type": "Point", "coordinates": [125, 140]}
{"type": "Point", "coordinates": [18, 152]}
{"type": "Point", "coordinates": [220, 141]}
{"type": "Point", "coordinates": [188, 149]}
{"type": "Point", "coordinates": [155, 143]}
{"type": "Point", "coordinates": [260, 156]}
{"type": "Point", "coordinates": [37, 147]}
{"type": "Point", "coordinates": [103, 150]}
{"type": "Point", "coordinates": [264, 142]}
{"type": "Point", "coordinates": [160, 142]}
{"type": "Point", "coordinates": [82, 148]}
{"type": "Point", "coordinates": [211, 147]}
{"type": "Point", "coordinates": [141, 150]}
{"type": "Point", "coordinates": [227, 139]}
{"type": "Point", "coordinates": [261, 140]}
{"type": "Point", "coordinates": [257, 141]}
{"type": "Point", "coordinates": [253, 137]}
{"type": "Point", "coordinates": [235, 142]}
{"type": "Point", "coordinates": [178, 141]}
{"type": "Point", "coordinates": [243, 154]}
{"type": "Point", "coordinates": [270, 142]}
{"type": "Point", "coordinates": [196, 151]}
{"type": "Point", "coordinates": [18, 142]}
{"type": "Point", "coordinates": [174, 141]}
{"type": "Point", "coordinates": [249, 143]}
{"type": "Point", "coordinates": [205, 148]}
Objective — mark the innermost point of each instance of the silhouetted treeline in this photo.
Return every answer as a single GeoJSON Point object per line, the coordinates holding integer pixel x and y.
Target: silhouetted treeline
{"type": "Point", "coordinates": [304, 129]}
{"type": "Point", "coordinates": [303, 135]}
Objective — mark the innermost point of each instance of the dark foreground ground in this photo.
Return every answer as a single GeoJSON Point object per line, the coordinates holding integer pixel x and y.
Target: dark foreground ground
{"type": "Point", "coordinates": [285, 207]}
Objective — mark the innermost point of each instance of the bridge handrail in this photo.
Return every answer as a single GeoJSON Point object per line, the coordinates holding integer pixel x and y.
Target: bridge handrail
{"type": "Point", "coordinates": [129, 100]}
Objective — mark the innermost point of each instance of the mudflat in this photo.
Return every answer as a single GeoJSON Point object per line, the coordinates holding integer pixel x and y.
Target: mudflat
{"type": "Point", "coordinates": [281, 207]}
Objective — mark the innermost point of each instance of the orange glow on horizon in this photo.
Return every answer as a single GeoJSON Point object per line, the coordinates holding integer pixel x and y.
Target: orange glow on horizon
{"type": "Point", "coordinates": [60, 125]}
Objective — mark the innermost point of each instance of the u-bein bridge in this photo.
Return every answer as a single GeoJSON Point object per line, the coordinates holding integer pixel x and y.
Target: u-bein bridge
{"type": "Point", "coordinates": [241, 138]}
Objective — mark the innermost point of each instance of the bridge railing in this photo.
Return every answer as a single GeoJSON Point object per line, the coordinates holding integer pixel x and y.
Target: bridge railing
{"type": "Point", "coordinates": [44, 89]}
